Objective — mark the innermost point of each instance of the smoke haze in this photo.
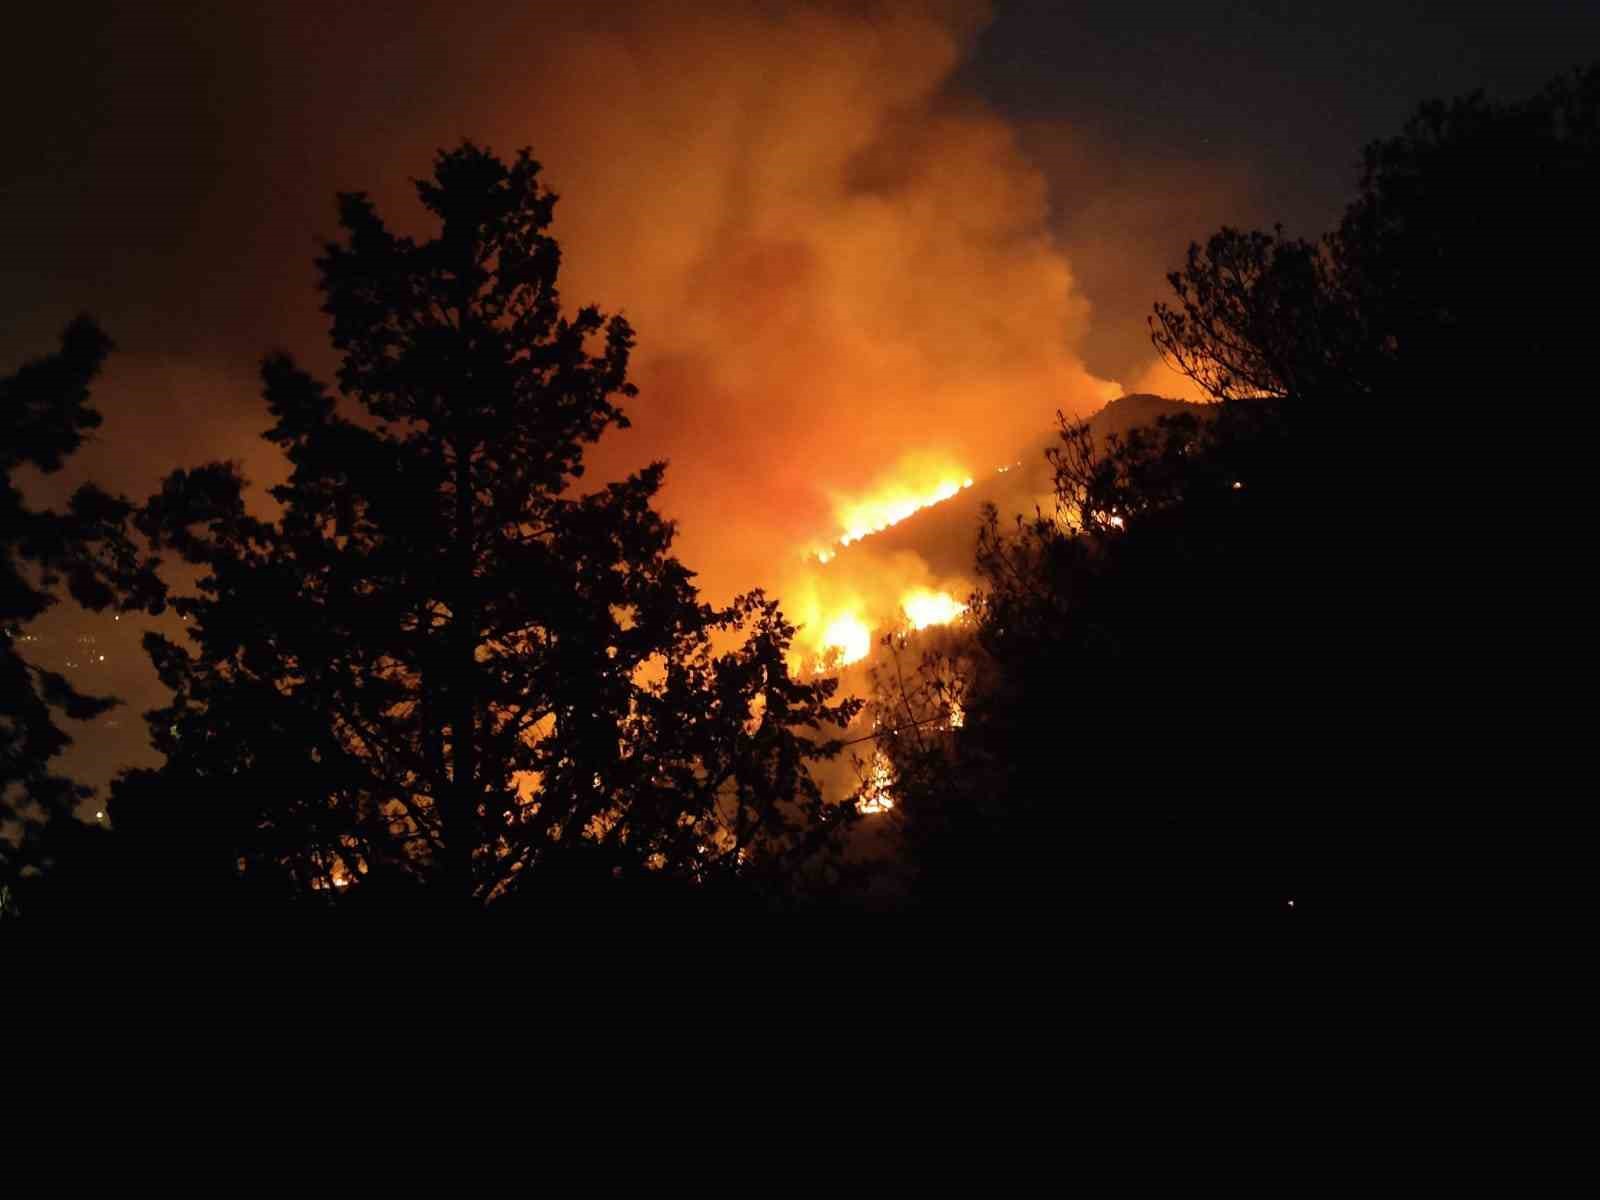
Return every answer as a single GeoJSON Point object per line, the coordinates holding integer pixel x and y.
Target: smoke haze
{"type": "Point", "coordinates": [849, 276]}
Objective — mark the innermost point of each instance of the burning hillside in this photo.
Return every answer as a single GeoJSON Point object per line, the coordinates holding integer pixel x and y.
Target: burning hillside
{"type": "Point", "coordinates": [914, 486]}
{"type": "Point", "coordinates": [902, 564]}
{"type": "Point", "coordinates": [902, 559]}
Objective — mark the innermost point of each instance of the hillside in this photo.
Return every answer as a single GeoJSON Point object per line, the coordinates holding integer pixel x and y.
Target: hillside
{"type": "Point", "coordinates": [944, 534]}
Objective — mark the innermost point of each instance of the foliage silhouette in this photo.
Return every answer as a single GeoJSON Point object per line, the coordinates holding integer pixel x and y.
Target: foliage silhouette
{"type": "Point", "coordinates": [45, 416]}
{"type": "Point", "coordinates": [443, 670]}
{"type": "Point", "coordinates": [1239, 662]}
{"type": "Point", "coordinates": [1462, 263]}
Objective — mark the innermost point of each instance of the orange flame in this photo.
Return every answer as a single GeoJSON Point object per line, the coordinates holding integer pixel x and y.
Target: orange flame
{"type": "Point", "coordinates": [838, 611]}
{"type": "Point", "coordinates": [893, 504]}
{"type": "Point", "coordinates": [878, 794]}
{"type": "Point", "coordinates": [919, 481]}
{"type": "Point", "coordinates": [924, 607]}
{"type": "Point", "coordinates": [849, 637]}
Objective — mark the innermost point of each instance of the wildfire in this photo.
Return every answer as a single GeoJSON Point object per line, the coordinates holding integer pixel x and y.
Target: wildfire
{"type": "Point", "coordinates": [840, 610]}
{"type": "Point", "coordinates": [848, 636]}
{"type": "Point", "coordinates": [886, 509]}
{"type": "Point", "coordinates": [890, 504]}
{"type": "Point", "coordinates": [924, 607]}
{"type": "Point", "coordinates": [878, 794]}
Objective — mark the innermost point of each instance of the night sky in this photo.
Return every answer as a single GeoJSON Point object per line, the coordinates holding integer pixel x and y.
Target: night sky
{"type": "Point", "coordinates": [848, 234]}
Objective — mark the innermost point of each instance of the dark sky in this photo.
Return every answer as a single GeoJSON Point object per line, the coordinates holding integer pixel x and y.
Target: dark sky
{"type": "Point", "coordinates": [850, 234]}
{"type": "Point", "coordinates": [1264, 105]}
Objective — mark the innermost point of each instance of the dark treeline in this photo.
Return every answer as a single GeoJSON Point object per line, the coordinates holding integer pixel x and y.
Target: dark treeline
{"type": "Point", "coordinates": [1315, 642]}
{"type": "Point", "coordinates": [1305, 644]}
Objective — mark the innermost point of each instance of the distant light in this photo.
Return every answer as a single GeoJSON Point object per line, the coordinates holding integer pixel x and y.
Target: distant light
{"type": "Point", "coordinates": [102, 658]}
{"type": "Point", "coordinates": [100, 816]}
{"type": "Point", "coordinates": [1291, 904]}
{"type": "Point", "coordinates": [1237, 485]}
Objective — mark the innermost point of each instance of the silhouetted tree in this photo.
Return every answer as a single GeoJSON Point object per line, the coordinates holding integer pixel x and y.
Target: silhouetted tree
{"type": "Point", "coordinates": [1295, 643]}
{"type": "Point", "coordinates": [45, 415]}
{"type": "Point", "coordinates": [1062, 752]}
{"type": "Point", "coordinates": [1452, 292]}
{"type": "Point", "coordinates": [442, 663]}
{"type": "Point", "coordinates": [1415, 353]}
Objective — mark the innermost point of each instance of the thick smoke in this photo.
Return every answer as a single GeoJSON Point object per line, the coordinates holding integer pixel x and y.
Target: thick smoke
{"type": "Point", "coordinates": [837, 261]}
{"type": "Point", "coordinates": [835, 264]}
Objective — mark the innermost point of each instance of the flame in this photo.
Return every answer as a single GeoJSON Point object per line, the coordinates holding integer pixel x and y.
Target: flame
{"type": "Point", "coordinates": [893, 504]}
{"type": "Point", "coordinates": [924, 607]}
{"type": "Point", "coordinates": [878, 794]}
{"type": "Point", "coordinates": [837, 611]}
{"type": "Point", "coordinates": [849, 636]}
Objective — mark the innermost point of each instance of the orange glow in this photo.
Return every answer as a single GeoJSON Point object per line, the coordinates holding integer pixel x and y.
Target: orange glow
{"type": "Point", "coordinates": [849, 637]}
{"type": "Point", "coordinates": [924, 607]}
{"type": "Point", "coordinates": [890, 505]}
{"type": "Point", "coordinates": [838, 610]}
{"type": "Point", "coordinates": [878, 795]}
